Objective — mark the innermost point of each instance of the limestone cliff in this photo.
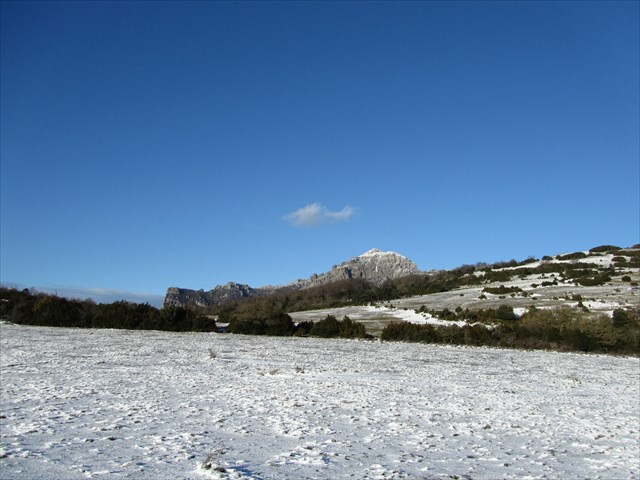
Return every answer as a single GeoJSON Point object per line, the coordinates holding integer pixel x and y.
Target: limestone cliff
{"type": "Point", "coordinates": [373, 266]}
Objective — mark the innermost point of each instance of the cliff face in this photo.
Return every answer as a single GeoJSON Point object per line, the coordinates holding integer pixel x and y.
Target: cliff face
{"type": "Point", "coordinates": [373, 266]}
{"type": "Point", "coordinates": [182, 297]}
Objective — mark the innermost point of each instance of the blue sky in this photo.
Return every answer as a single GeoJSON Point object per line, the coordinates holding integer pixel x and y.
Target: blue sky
{"type": "Point", "coordinates": [154, 144]}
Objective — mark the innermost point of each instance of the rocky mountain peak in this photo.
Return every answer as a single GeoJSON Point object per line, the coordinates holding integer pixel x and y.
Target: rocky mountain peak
{"type": "Point", "coordinates": [373, 266]}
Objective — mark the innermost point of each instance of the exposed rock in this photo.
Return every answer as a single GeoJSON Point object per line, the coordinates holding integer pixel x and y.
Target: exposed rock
{"type": "Point", "coordinates": [181, 297]}
{"type": "Point", "coordinates": [373, 266]}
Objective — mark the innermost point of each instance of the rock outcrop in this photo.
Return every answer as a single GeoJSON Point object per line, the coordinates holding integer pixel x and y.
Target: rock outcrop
{"type": "Point", "coordinates": [181, 297]}
{"type": "Point", "coordinates": [373, 266]}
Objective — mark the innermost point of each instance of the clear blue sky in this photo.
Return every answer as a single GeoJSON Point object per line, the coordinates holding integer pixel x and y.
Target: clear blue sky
{"type": "Point", "coordinates": [154, 144]}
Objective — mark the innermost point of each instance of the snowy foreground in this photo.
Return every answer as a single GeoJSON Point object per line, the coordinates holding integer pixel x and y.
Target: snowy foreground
{"type": "Point", "coordinates": [125, 404]}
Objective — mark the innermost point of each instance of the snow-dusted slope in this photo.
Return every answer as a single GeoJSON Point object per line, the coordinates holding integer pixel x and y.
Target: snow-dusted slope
{"type": "Point", "coordinates": [78, 404]}
{"type": "Point", "coordinates": [542, 290]}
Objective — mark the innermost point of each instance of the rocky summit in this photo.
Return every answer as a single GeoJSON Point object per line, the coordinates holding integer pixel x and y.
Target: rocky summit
{"type": "Point", "coordinates": [373, 266]}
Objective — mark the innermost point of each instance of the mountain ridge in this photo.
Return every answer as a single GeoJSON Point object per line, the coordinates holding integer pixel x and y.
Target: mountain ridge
{"type": "Point", "coordinates": [373, 266]}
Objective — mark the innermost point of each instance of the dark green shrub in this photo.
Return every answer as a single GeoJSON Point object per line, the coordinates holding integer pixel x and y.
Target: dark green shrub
{"type": "Point", "coordinates": [573, 256]}
{"type": "Point", "coordinates": [303, 328]}
{"type": "Point", "coordinates": [505, 312]}
{"type": "Point", "coordinates": [327, 328]}
{"type": "Point", "coordinates": [594, 281]}
{"type": "Point", "coordinates": [620, 318]}
{"type": "Point", "coordinates": [502, 276]}
{"type": "Point", "coordinates": [351, 329]}
{"type": "Point", "coordinates": [501, 290]}
{"type": "Point", "coordinates": [248, 327]}
{"type": "Point", "coordinates": [279, 325]}
{"type": "Point", "coordinates": [604, 248]}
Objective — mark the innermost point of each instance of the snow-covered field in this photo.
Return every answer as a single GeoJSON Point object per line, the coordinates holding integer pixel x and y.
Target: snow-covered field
{"type": "Point", "coordinates": [123, 404]}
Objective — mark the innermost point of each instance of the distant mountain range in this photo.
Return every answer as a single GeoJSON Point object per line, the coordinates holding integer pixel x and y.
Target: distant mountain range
{"type": "Point", "coordinates": [607, 275]}
{"type": "Point", "coordinates": [373, 266]}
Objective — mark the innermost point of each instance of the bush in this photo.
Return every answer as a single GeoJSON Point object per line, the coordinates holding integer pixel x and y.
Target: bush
{"type": "Point", "coordinates": [327, 328]}
{"type": "Point", "coordinates": [502, 276]}
{"type": "Point", "coordinates": [505, 312]}
{"type": "Point", "coordinates": [331, 327]}
{"type": "Point", "coordinates": [573, 256]}
{"type": "Point", "coordinates": [351, 329]}
{"type": "Point", "coordinates": [604, 248]}
{"type": "Point", "coordinates": [502, 290]}
{"type": "Point", "coordinates": [594, 281]}
{"type": "Point", "coordinates": [279, 325]}
{"type": "Point", "coordinates": [620, 318]}
{"type": "Point", "coordinates": [303, 328]}
{"type": "Point", "coordinates": [253, 326]}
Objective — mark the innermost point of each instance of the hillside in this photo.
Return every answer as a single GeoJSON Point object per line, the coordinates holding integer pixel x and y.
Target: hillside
{"type": "Point", "coordinates": [374, 266]}
{"type": "Point", "coordinates": [600, 280]}
{"type": "Point", "coordinates": [584, 301]}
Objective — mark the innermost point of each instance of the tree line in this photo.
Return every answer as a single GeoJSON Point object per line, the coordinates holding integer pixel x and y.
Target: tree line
{"type": "Point", "coordinates": [563, 328]}
{"type": "Point", "coordinates": [282, 325]}
{"type": "Point", "coordinates": [27, 308]}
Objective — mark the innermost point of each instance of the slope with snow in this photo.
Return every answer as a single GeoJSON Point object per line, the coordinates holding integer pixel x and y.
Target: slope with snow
{"type": "Point", "coordinates": [542, 290]}
{"type": "Point", "coordinates": [79, 404]}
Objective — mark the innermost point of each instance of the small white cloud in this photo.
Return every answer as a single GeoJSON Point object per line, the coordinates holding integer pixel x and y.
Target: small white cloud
{"type": "Point", "coordinates": [317, 214]}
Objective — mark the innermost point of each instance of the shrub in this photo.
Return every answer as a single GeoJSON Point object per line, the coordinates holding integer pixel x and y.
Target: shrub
{"type": "Point", "coordinates": [279, 325]}
{"type": "Point", "coordinates": [351, 329]}
{"type": "Point", "coordinates": [327, 328]}
{"type": "Point", "coordinates": [303, 328]}
{"type": "Point", "coordinates": [604, 248]}
{"type": "Point", "coordinates": [573, 256]}
{"type": "Point", "coordinates": [331, 327]}
{"type": "Point", "coordinates": [620, 318]}
{"type": "Point", "coordinates": [594, 281]}
{"type": "Point", "coordinates": [503, 276]}
{"type": "Point", "coordinates": [501, 290]}
{"type": "Point", "coordinates": [505, 312]}
{"type": "Point", "coordinates": [253, 326]}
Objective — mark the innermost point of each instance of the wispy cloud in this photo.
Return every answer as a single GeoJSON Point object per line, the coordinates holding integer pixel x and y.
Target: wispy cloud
{"type": "Point", "coordinates": [316, 214]}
